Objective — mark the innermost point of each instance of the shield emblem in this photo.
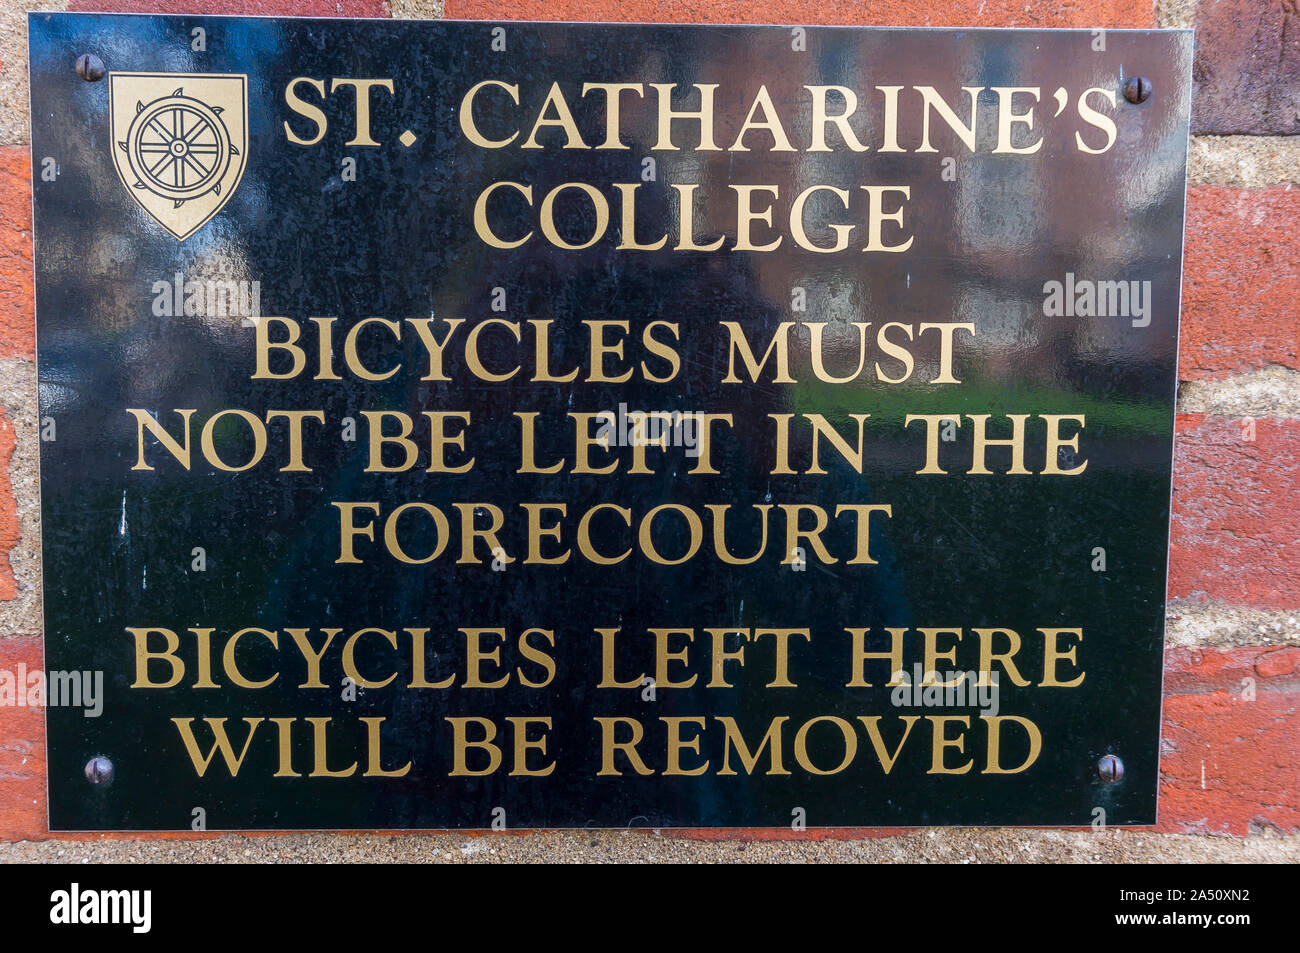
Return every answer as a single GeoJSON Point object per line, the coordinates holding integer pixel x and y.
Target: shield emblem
{"type": "Point", "coordinates": [180, 142]}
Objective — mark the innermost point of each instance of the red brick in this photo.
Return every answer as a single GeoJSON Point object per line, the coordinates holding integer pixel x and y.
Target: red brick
{"type": "Point", "coordinates": [17, 316]}
{"type": "Point", "coordinates": [1191, 671]}
{"type": "Point", "coordinates": [22, 751]}
{"type": "Point", "coordinates": [1247, 70]}
{"type": "Point", "coordinates": [1235, 532]}
{"type": "Point", "coordinates": [8, 510]}
{"type": "Point", "coordinates": [1241, 288]}
{"type": "Point", "coordinates": [1103, 13]}
{"type": "Point", "coordinates": [1280, 662]}
{"type": "Point", "coordinates": [1228, 764]}
{"type": "Point", "coordinates": [260, 8]}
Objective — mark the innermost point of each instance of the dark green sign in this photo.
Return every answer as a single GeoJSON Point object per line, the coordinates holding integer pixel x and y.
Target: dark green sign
{"type": "Point", "coordinates": [518, 425]}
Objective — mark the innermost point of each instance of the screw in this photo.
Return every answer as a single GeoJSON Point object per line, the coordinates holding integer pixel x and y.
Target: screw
{"type": "Point", "coordinates": [90, 67]}
{"type": "Point", "coordinates": [1110, 769]}
{"type": "Point", "coordinates": [1137, 89]}
{"type": "Point", "coordinates": [99, 770]}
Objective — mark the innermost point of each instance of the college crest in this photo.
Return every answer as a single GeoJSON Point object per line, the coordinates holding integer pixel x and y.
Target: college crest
{"type": "Point", "coordinates": [180, 143]}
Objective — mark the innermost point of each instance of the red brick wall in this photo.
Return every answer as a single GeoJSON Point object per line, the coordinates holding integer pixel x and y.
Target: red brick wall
{"type": "Point", "coordinates": [1230, 764]}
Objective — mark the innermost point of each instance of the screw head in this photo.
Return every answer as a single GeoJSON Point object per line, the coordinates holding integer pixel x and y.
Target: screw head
{"type": "Point", "coordinates": [1110, 769]}
{"type": "Point", "coordinates": [1137, 89]}
{"type": "Point", "coordinates": [99, 770]}
{"type": "Point", "coordinates": [90, 67]}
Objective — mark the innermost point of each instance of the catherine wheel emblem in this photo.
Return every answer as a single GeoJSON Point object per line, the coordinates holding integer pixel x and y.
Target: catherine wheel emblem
{"type": "Point", "coordinates": [178, 147]}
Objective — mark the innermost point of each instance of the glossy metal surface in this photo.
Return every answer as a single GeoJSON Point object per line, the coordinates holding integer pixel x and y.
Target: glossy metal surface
{"type": "Point", "coordinates": [398, 242]}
